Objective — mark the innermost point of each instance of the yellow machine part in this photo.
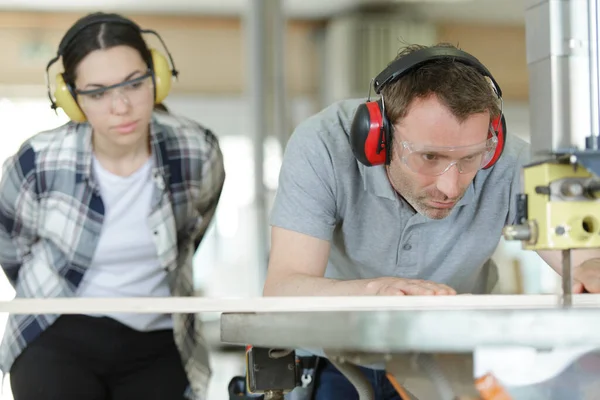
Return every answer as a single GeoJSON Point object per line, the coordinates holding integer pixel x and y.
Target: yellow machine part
{"type": "Point", "coordinates": [559, 225]}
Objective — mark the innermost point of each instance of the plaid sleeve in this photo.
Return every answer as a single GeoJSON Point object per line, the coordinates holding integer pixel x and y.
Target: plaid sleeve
{"type": "Point", "coordinates": [18, 210]}
{"type": "Point", "coordinates": [213, 179]}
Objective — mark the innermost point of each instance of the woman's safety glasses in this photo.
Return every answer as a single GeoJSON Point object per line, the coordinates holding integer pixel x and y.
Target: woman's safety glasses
{"type": "Point", "coordinates": [132, 92]}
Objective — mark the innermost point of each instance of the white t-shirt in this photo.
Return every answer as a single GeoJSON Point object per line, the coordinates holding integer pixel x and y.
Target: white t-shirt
{"type": "Point", "coordinates": [126, 263]}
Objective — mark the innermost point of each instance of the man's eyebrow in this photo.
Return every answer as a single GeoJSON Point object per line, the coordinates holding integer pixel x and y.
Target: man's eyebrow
{"type": "Point", "coordinates": [474, 153]}
{"type": "Point", "coordinates": [128, 77]}
{"type": "Point", "coordinates": [434, 153]}
{"type": "Point", "coordinates": [448, 153]}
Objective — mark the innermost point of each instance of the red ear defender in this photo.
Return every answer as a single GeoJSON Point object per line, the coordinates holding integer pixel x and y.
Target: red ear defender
{"type": "Point", "coordinates": [369, 134]}
{"type": "Point", "coordinates": [499, 126]}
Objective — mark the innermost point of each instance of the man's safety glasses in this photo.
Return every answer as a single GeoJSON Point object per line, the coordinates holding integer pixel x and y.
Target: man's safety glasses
{"type": "Point", "coordinates": [436, 160]}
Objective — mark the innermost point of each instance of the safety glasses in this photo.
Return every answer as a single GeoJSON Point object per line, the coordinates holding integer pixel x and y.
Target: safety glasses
{"type": "Point", "coordinates": [132, 92]}
{"type": "Point", "coordinates": [436, 160]}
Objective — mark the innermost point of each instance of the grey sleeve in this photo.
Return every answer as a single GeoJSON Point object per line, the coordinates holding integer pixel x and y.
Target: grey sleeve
{"type": "Point", "coordinates": [306, 196]}
{"type": "Point", "coordinates": [516, 185]}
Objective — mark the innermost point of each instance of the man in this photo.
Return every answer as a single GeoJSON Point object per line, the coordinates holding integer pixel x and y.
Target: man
{"type": "Point", "coordinates": [405, 196]}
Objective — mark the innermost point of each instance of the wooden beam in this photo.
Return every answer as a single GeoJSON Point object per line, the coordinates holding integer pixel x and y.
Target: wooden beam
{"type": "Point", "coordinates": [500, 47]}
{"type": "Point", "coordinates": [62, 21]}
{"type": "Point", "coordinates": [210, 52]}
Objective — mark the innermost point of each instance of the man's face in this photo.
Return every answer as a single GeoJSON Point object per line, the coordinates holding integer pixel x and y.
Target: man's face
{"type": "Point", "coordinates": [435, 156]}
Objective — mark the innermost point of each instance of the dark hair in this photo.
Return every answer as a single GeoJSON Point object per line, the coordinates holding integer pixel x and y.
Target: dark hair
{"type": "Point", "coordinates": [80, 40]}
{"type": "Point", "coordinates": [461, 88]}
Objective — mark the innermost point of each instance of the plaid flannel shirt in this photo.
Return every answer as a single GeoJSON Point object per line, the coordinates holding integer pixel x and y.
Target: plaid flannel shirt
{"type": "Point", "coordinates": [51, 217]}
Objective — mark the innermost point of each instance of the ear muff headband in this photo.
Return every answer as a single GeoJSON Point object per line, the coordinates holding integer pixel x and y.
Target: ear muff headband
{"type": "Point", "coordinates": [64, 95]}
{"type": "Point", "coordinates": [416, 59]}
{"type": "Point", "coordinates": [370, 132]}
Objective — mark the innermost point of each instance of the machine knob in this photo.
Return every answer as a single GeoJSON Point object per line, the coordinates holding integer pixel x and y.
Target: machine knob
{"type": "Point", "coordinates": [572, 188]}
{"type": "Point", "coordinates": [517, 232]}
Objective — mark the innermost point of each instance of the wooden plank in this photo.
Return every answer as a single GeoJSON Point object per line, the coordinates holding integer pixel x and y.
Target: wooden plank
{"type": "Point", "coordinates": [288, 304]}
{"type": "Point", "coordinates": [63, 20]}
{"type": "Point", "coordinates": [500, 47]}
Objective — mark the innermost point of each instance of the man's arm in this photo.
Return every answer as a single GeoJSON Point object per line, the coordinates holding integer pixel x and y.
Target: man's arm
{"type": "Point", "coordinates": [297, 264]}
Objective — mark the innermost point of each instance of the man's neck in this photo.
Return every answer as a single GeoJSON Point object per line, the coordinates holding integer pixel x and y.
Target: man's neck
{"type": "Point", "coordinates": [121, 160]}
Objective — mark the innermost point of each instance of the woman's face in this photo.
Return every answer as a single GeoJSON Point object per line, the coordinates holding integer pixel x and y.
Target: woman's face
{"type": "Point", "coordinates": [116, 94]}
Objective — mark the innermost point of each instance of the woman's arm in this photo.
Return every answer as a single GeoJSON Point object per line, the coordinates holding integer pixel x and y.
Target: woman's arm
{"type": "Point", "coordinates": [18, 210]}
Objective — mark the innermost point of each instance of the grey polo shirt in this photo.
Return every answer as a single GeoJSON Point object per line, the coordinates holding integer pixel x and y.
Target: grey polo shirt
{"type": "Point", "coordinates": [326, 193]}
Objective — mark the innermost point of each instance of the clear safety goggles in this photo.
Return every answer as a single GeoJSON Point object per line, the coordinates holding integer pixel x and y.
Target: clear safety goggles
{"type": "Point", "coordinates": [132, 92]}
{"type": "Point", "coordinates": [436, 160]}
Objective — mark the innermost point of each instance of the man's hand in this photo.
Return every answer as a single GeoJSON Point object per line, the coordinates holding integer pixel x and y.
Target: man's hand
{"type": "Point", "coordinates": [586, 277]}
{"type": "Point", "coordinates": [389, 286]}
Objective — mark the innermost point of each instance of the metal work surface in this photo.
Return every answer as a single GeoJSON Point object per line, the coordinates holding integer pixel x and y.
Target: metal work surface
{"type": "Point", "coordinates": [415, 331]}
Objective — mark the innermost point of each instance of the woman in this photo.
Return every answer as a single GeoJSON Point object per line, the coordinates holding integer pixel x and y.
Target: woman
{"type": "Point", "coordinates": [108, 205]}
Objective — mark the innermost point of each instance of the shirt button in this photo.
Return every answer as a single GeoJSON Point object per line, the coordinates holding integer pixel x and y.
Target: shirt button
{"type": "Point", "coordinates": [407, 246]}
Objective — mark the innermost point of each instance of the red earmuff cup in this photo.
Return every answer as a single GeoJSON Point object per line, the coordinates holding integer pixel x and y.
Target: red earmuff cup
{"type": "Point", "coordinates": [372, 143]}
{"type": "Point", "coordinates": [499, 126]}
{"type": "Point", "coordinates": [366, 134]}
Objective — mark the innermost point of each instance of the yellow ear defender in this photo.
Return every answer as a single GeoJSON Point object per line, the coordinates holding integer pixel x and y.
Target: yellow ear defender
{"type": "Point", "coordinates": [64, 95]}
{"type": "Point", "coordinates": [162, 76]}
{"type": "Point", "coordinates": [65, 100]}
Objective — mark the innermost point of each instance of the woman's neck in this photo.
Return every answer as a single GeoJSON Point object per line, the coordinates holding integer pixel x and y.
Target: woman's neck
{"type": "Point", "coordinates": [119, 159]}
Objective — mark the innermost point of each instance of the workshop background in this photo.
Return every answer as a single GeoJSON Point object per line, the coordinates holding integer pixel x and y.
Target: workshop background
{"type": "Point", "coordinates": [250, 70]}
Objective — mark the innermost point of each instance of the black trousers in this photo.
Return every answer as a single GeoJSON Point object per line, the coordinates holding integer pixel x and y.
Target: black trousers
{"type": "Point", "coordinates": [87, 358]}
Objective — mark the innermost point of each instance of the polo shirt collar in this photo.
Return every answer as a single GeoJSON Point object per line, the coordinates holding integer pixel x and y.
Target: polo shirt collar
{"type": "Point", "coordinates": [375, 181]}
